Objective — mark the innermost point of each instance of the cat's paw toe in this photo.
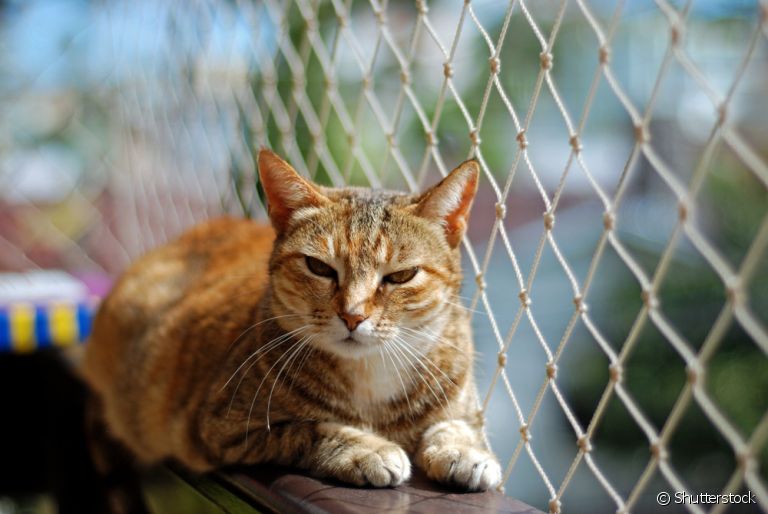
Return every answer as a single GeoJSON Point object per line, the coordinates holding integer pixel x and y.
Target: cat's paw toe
{"type": "Point", "coordinates": [467, 467]}
{"type": "Point", "coordinates": [387, 466]}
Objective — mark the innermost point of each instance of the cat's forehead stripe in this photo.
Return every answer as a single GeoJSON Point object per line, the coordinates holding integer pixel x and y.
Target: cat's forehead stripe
{"type": "Point", "coordinates": [383, 251]}
{"type": "Point", "coordinates": [361, 229]}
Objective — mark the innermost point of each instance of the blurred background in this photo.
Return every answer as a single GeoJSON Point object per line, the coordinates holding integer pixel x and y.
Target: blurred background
{"type": "Point", "coordinates": [624, 148]}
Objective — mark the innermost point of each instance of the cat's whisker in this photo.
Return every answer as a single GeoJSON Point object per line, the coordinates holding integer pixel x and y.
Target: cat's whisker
{"type": "Point", "coordinates": [307, 354]}
{"type": "Point", "coordinates": [474, 311]}
{"type": "Point", "coordinates": [430, 337]}
{"type": "Point", "coordinates": [289, 361]}
{"type": "Point", "coordinates": [430, 361]}
{"type": "Point", "coordinates": [278, 341]}
{"type": "Point", "coordinates": [264, 348]}
{"type": "Point", "coordinates": [261, 323]}
{"type": "Point", "coordinates": [424, 380]}
{"type": "Point", "coordinates": [405, 345]}
{"type": "Point", "coordinates": [410, 368]}
{"type": "Point", "coordinates": [258, 389]}
{"type": "Point", "coordinates": [298, 360]}
{"type": "Point", "coordinates": [399, 376]}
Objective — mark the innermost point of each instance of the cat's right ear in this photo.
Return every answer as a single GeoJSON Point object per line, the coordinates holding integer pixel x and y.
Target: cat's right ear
{"type": "Point", "coordinates": [448, 203]}
{"type": "Point", "coordinates": [286, 190]}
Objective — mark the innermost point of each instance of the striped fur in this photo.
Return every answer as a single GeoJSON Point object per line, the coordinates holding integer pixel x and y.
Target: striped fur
{"type": "Point", "coordinates": [224, 347]}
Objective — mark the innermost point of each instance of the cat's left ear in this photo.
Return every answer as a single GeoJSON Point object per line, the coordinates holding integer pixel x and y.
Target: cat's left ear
{"type": "Point", "coordinates": [448, 202]}
{"type": "Point", "coordinates": [286, 190]}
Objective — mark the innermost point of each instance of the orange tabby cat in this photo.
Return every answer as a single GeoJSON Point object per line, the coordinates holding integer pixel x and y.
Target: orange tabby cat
{"type": "Point", "coordinates": [333, 341]}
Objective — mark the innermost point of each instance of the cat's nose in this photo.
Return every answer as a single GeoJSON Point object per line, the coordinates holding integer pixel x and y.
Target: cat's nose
{"type": "Point", "coordinates": [351, 320]}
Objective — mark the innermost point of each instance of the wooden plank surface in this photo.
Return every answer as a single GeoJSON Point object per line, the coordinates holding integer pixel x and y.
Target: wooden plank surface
{"type": "Point", "coordinates": [286, 491]}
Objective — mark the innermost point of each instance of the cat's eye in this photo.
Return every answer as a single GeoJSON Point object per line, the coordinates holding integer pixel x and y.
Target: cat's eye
{"type": "Point", "coordinates": [401, 277]}
{"type": "Point", "coordinates": [320, 268]}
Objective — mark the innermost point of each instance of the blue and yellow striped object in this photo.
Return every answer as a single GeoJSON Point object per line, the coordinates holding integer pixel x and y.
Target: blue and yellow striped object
{"type": "Point", "coordinates": [25, 327]}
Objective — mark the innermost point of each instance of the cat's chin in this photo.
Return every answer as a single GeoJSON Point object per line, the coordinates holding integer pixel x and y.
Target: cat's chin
{"type": "Point", "coordinates": [351, 348]}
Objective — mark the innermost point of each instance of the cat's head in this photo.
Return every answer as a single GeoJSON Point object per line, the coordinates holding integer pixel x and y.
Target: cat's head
{"type": "Point", "coordinates": [353, 269]}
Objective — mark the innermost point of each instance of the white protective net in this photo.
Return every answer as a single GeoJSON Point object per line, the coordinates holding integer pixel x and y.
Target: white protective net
{"type": "Point", "coordinates": [658, 105]}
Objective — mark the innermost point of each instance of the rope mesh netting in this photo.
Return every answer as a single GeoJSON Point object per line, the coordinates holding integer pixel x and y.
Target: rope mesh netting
{"type": "Point", "coordinates": [389, 94]}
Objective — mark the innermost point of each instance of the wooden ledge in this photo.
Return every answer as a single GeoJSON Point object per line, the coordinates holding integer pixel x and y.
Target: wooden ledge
{"type": "Point", "coordinates": [285, 491]}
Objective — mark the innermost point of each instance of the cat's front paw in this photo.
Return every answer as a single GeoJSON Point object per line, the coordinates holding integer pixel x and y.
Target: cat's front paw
{"type": "Point", "coordinates": [463, 466]}
{"type": "Point", "coordinates": [386, 465]}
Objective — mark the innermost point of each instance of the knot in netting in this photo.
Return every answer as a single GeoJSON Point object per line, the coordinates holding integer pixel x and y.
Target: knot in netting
{"type": "Point", "coordinates": [502, 359]}
{"type": "Point", "coordinates": [524, 433]}
{"type": "Point", "coordinates": [381, 16]}
{"type": "Point", "coordinates": [430, 137]}
{"type": "Point", "coordinates": [604, 55]}
{"type": "Point", "coordinates": [447, 70]}
{"type": "Point", "coordinates": [675, 33]}
{"type": "Point", "coordinates": [311, 24]}
{"type": "Point", "coordinates": [522, 141]}
{"type": "Point", "coordinates": [546, 60]}
{"type": "Point", "coordinates": [405, 77]}
{"type": "Point", "coordinates": [693, 373]}
{"type": "Point", "coordinates": [615, 373]}
{"type": "Point", "coordinates": [501, 210]}
{"type": "Point", "coordinates": [554, 506]}
{"type": "Point", "coordinates": [298, 81]}
{"type": "Point", "coordinates": [551, 370]}
{"type": "Point", "coordinates": [495, 64]}
{"type": "Point", "coordinates": [474, 136]}
{"type": "Point", "coordinates": [575, 143]}
{"type": "Point", "coordinates": [658, 450]}
{"type": "Point", "coordinates": [609, 221]}
{"type": "Point", "coordinates": [480, 281]}
{"type": "Point", "coordinates": [746, 461]}
{"type": "Point", "coordinates": [733, 291]}
{"type": "Point", "coordinates": [421, 7]}
{"type": "Point", "coordinates": [584, 444]}
{"type": "Point", "coordinates": [722, 113]}
{"type": "Point", "coordinates": [549, 221]}
{"type": "Point", "coordinates": [641, 134]}
{"type": "Point", "coordinates": [649, 299]}
{"type": "Point", "coordinates": [581, 305]}
{"type": "Point", "coordinates": [682, 210]}
{"type": "Point", "coordinates": [525, 300]}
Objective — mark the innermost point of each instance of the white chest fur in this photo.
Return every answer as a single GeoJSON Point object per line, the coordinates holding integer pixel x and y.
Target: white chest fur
{"type": "Point", "coordinates": [380, 377]}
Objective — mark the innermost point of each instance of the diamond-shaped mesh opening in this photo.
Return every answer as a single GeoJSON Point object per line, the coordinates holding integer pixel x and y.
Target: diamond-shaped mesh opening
{"type": "Point", "coordinates": [655, 375]}
{"type": "Point", "coordinates": [718, 458]}
{"type": "Point", "coordinates": [736, 362]}
{"type": "Point", "coordinates": [619, 238]}
{"type": "Point", "coordinates": [691, 282]}
{"type": "Point", "coordinates": [732, 206]}
{"type": "Point", "coordinates": [609, 440]}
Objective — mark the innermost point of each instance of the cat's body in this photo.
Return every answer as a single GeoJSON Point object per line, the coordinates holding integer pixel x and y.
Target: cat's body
{"type": "Point", "coordinates": [334, 342]}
